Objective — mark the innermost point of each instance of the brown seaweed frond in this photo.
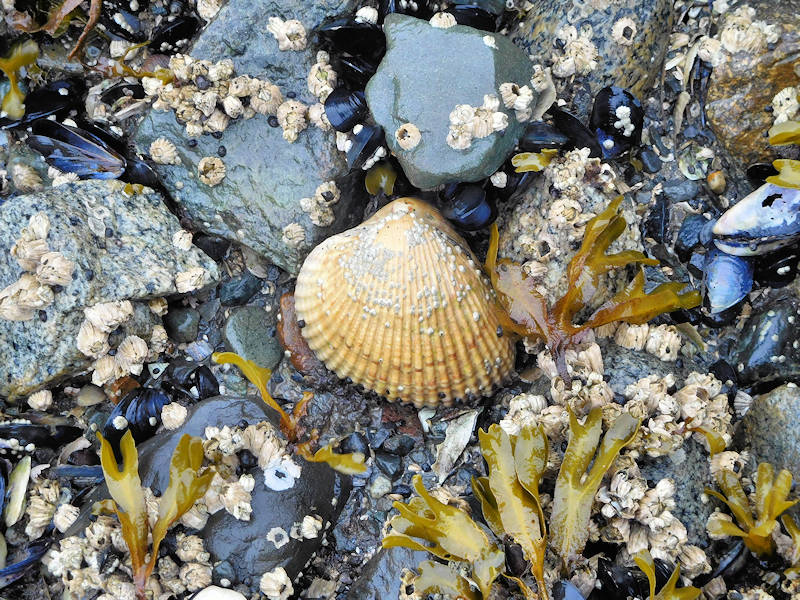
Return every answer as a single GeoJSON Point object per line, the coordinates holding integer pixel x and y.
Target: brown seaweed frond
{"type": "Point", "coordinates": [668, 592]}
{"type": "Point", "coordinates": [529, 314]}
{"type": "Point", "coordinates": [22, 55]}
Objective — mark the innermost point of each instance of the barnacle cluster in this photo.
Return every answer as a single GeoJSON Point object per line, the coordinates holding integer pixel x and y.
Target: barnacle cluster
{"type": "Point", "coordinates": [471, 122]}
{"type": "Point", "coordinates": [578, 55]}
{"type": "Point", "coordinates": [46, 272]}
{"type": "Point", "coordinates": [320, 206]}
{"type": "Point", "coordinates": [741, 32]}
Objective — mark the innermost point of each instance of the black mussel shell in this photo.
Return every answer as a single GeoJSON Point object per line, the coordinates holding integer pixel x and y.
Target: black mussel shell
{"type": "Point", "coordinates": [579, 135]}
{"type": "Point", "coordinates": [365, 142]}
{"type": "Point", "coordinates": [56, 98]}
{"type": "Point", "coordinates": [757, 173]}
{"type": "Point", "coordinates": [777, 269]}
{"type": "Point", "coordinates": [355, 70]}
{"type": "Point", "coordinates": [564, 590]}
{"type": "Point", "coordinates": [727, 279]}
{"type": "Point", "coordinates": [688, 238]}
{"type": "Point", "coordinates": [345, 109]}
{"type": "Point", "coordinates": [540, 135]}
{"type": "Point", "coordinates": [173, 34]}
{"type": "Point", "coordinates": [122, 90]}
{"type": "Point", "coordinates": [122, 24]}
{"type": "Point", "coordinates": [74, 150]}
{"type": "Point", "coordinates": [516, 183]}
{"type": "Point", "coordinates": [473, 16]}
{"type": "Point", "coordinates": [610, 125]}
{"type": "Point", "coordinates": [23, 561]}
{"type": "Point", "coordinates": [415, 8]}
{"type": "Point", "coordinates": [354, 37]}
{"type": "Point", "coordinates": [468, 207]}
{"type": "Point", "coordinates": [138, 171]}
{"type": "Point", "coordinates": [141, 408]}
{"type": "Point", "coordinates": [183, 376]}
{"type": "Point", "coordinates": [42, 432]}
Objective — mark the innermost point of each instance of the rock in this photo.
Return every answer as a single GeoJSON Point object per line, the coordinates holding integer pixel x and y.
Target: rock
{"type": "Point", "coordinates": [766, 351]}
{"type": "Point", "coordinates": [380, 486]}
{"type": "Point", "coordinates": [182, 324]}
{"type": "Point", "coordinates": [770, 428]}
{"type": "Point", "coordinates": [620, 44]}
{"type": "Point", "coordinates": [760, 45]}
{"type": "Point", "coordinates": [265, 175]}
{"type": "Point", "coordinates": [651, 162]}
{"type": "Point", "coordinates": [380, 577]}
{"type": "Point", "coordinates": [319, 490]}
{"type": "Point", "coordinates": [238, 290]}
{"type": "Point", "coordinates": [131, 257]}
{"type": "Point", "coordinates": [681, 190]}
{"type": "Point", "coordinates": [425, 73]}
{"type": "Point", "coordinates": [250, 333]}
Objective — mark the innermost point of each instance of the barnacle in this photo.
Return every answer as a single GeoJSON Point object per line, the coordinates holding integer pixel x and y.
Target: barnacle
{"type": "Point", "coordinates": [668, 592]}
{"type": "Point", "coordinates": [769, 502]}
{"type": "Point", "coordinates": [575, 488]}
{"type": "Point", "coordinates": [22, 55]}
{"type": "Point", "coordinates": [186, 486]}
{"type": "Point", "coordinates": [529, 315]}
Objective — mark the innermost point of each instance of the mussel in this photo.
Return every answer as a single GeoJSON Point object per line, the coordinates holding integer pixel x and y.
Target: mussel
{"type": "Point", "coordinates": [173, 34]}
{"type": "Point", "coordinates": [365, 146]}
{"type": "Point", "coordinates": [757, 173]}
{"type": "Point", "coordinates": [139, 412]}
{"type": "Point", "coordinates": [540, 135]}
{"type": "Point", "coordinates": [617, 119]}
{"type": "Point", "coordinates": [38, 430]}
{"type": "Point", "coordinates": [468, 207]}
{"type": "Point", "coordinates": [766, 220]}
{"type": "Point", "coordinates": [564, 590]}
{"type": "Point", "coordinates": [88, 151]}
{"type": "Point", "coordinates": [777, 269]}
{"type": "Point", "coordinates": [123, 89]}
{"type": "Point", "coordinates": [359, 38]}
{"type": "Point", "coordinates": [415, 8]}
{"type": "Point", "coordinates": [56, 98]}
{"type": "Point", "coordinates": [727, 279]}
{"type": "Point", "coordinates": [355, 70]}
{"type": "Point", "coordinates": [23, 561]}
{"type": "Point", "coordinates": [191, 379]}
{"type": "Point", "coordinates": [473, 16]}
{"type": "Point", "coordinates": [123, 25]}
{"type": "Point", "coordinates": [578, 134]}
{"type": "Point", "coordinates": [345, 109]}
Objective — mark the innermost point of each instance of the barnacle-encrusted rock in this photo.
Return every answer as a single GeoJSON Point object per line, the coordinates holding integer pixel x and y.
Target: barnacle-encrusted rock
{"type": "Point", "coordinates": [131, 354]}
{"type": "Point", "coordinates": [54, 269]}
{"type": "Point", "coordinates": [107, 316]}
{"type": "Point", "coordinates": [404, 274]}
{"type": "Point", "coordinates": [291, 35]}
{"type": "Point", "coordinates": [29, 252]}
{"type": "Point", "coordinates": [414, 85]}
{"type": "Point", "coordinates": [292, 117]}
{"type": "Point", "coordinates": [322, 77]}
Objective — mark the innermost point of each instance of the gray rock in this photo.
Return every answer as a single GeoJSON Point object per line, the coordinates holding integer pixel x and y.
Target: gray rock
{"type": "Point", "coordinates": [681, 190]}
{"type": "Point", "coordinates": [238, 290]}
{"type": "Point", "coordinates": [182, 324]}
{"type": "Point", "coordinates": [771, 431]}
{"type": "Point", "coordinates": [250, 333]}
{"type": "Point", "coordinates": [266, 176]}
{"type": "Point", "coordinates": [426, 72]}
{"type": "Point", "coordinates": [137, 261]}
{"type": "Point", "coordinates": [318, 491]}
{"type": "Point", "coordinates": [618, 64]}
{"type": "Point", "coordinates": [380, 577]}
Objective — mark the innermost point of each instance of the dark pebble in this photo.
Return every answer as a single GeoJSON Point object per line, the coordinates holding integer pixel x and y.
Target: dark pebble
{"type": "Point", "coordinates": [681, 190]}
{"type": "Point", "coordinates": [214, 246]}
{"type": "Point", "coordinates": [222, 151]}
{"type": "Point", "coordinates": [401, 489]}
{"type": "Point", "coordinates": [202, 82]}
{"type": "Point", "coordinates": [389, 464]}
{"type": "Point", "coordinates": [217, 135]}
{"type": "Point", "coordinates": [651, 163]}
{"type": "Point", "coordinates": [355, 442]}
{"type": "Point", "coordinates": [688, 238]}
{"type": "Point", "coordinates": [239, 290]}
{"type": "Point", "coordinates": [400, 444]}
{"type": "Point", "coordinates": [182, 324]}
{"type": "Point", "coordinates": [273, 121]}
{"type": "Point", "coordinates": [192, 143]}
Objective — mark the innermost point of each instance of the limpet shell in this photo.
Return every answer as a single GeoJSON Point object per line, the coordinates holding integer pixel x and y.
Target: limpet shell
{"type": "Point", "coordinates": [400, 305]}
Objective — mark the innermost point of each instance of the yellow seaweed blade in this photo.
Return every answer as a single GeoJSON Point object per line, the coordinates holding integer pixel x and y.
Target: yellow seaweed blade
{"type": "Point", "coordinates": [785, 133]}
{"type": "Point", "coordinates": [788, 173]}
{"type": "Point", "coordinates": [533, 161]}
{"type": "Point", "coordinates": [258, 376]}
{"type": "Point", "coordinates": [348, 464]}
{"type": "Point", "coordinates": [23, 55]}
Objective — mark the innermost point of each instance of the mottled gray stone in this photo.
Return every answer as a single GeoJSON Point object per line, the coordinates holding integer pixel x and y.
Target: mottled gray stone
{"type": "Point", "coordinates": [250, 333]}
{"type": "Point", "coordinates": [771, 430]}
{"type": "Point", "coordinates": [137, 261]}
{"type": "Point", "coordinates": [266, 176]}
{"type": "Point", "coordinates": [182, 324]}
{"type": "Point", "coordinates": [426, 72]}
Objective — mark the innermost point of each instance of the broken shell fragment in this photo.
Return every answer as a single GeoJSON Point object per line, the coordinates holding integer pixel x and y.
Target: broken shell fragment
{"type": "Point", "coordinates": [400, 305]}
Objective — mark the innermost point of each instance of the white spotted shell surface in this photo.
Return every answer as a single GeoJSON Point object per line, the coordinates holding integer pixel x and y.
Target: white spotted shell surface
{"type": "Point", "coordinates": [400, 305]}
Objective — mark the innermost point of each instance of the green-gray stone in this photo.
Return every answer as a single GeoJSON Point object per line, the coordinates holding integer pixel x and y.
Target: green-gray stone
{"type": "Point", "coordinates": [266, 175]}
{"type": "Point", "coordinates": [182, 324]}
{"type": "Point", "coordinates": [771, 429]}
{"type": "Point", "coordinates": [250, 333]}
{"type": "Point", "coordinates": [137, 262]}
{"type": "Point", "coordinates": [238, 290]}
{"type": "Point", "coordinates": [425, 73]}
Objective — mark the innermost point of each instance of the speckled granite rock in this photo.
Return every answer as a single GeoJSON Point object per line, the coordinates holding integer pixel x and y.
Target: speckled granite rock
{"type": "Point", "coordinates": [760, 51]}
{"type": "Point", "coordinates": [426, 72]}
{"type": "Point", "coordinates": [266, 176]}
{"type": "Point", "coordinates": [132, 258]}
{"type": "Point", "coordinates": [629, 58]}
{"type": "Point", "coordinates": [771, 428]}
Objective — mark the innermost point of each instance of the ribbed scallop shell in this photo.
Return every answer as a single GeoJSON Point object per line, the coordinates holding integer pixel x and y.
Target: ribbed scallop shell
{"type": "Point", "coordinates": [400, 306]}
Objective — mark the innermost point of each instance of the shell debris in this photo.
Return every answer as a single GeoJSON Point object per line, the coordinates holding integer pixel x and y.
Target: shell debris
{"type": "Point", "coordinates": [391, 304]}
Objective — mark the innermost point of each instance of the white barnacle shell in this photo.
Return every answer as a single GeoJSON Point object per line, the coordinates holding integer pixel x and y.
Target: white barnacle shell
{"type": "Point", "coordinates": [211, 170]}
{"type": "Point", "coordinates": [196, 517]}
{"type": "Point", "coordinates": [173, 415]}
{"type": "Point", "coordinates": [265, 97]}
{"type": "Point", "coordinates": [92, 341]}
{"type": "Point", "coordinates": [263, 442]}
{"type": "Point", "coordinates": [41, 400]}
{"type": "Point", "coordinates": [239, 86]}
{"type": "Point", "coordinates": [220, 70]}
{"type": "Point", "coordinates": [321, 78]}
{"type": "Point", "coordinates": [131, 353]}
{"type": "Point", "coordinates": [630, 336]}
{"type": "Point", "coordinates": [55, 269]}
{"type": "Point", "coordinates": [106, 369]}
{"type": "Point", "coordinates": [205, 102]}
{"type": "Point", "coordinates": [193, 279]}
{"type": "Point", "coordinates": [278, 536]}
{"type": "Point", "coordinates": [281, 474]}
{"type": "Point", "coordinates": [164, 152]}
{"type": "Point", "coordinates": [20, 300]}
{"type": "Point", "coordinates": [233, 107]}
{"type": "Point", "coordinates": [158, 306]}
{"type": "Point", "coordinates": [311, 526]}
{"type": "Point", "coordinates": [499, 179]}
{"type": "Point", "coordinates": [443, 20]}
{"type": "Point", "coordinates": [291, 35]}
{"type": "Point", "coordinates": [236, 498]}
{"type": "Point", "coordinates": [292, 119]}
{"type": "Point", "coordinates": [217, 122]}
{"type": "Point", "coordinates": [293, 235]}
{"type": "Point", "coordinates": [523, 410]}
{"type": "Point", "coordinates": [25, 178]}
{"type": "Point", "coordinates": [367, 14]}
{"type": "Point", "coordinates": [38, 227]}
{"type": "Point", "coordinates": [189, 548]}
{"type": "Point", "coordinates": [182, 239]}
{"type": "Point", "coordinates": [408, 136]}
{"type": "Point", "coordinates": [317, 116]}
{"type": "Point", "coordinates": [276, 585]}
{"type": "Point", "coordinates": [107, 316]}
{"type": "Point", "coordinates": [158, 342]}
{"type": "Point", "coordinates": [195, 576]}
{"type": "Point", "coordinates": [28, 253]}
{"type": "Point", "coordinates": [664, 341]}
{"type": "Point", "coordinates": [65, 516]}
{"type": "Point", "coordinates": [59, 178]}
{"type": "Point", "coordinates": [624, 31]}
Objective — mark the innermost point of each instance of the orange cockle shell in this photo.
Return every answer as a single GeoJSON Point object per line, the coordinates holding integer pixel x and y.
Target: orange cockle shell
{"type": "Point", "coordinates": [400, 305]}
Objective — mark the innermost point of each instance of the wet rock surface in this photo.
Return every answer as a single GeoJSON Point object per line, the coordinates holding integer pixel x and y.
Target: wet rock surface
{"type": "Point", "coordinates": [380, 575]}
{"type": "Point", "coordinates": [771, 430]}
{"type": "Point", "coordinates": [760, 44]}
{"type": "Point", "coordinates": [414, 86]}
{"type": "Point", "coordinates": [122, 249]}
{"type": "Point", "coordinates": [249, 331]}
{"type": "Point", "coordinates": [265, 175]}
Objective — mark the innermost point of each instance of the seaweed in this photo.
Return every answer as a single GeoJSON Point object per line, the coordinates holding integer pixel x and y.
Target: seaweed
{"type": "Point", "coordinates": [785, 133]}
{"type": "Point", "coordinates": [349, 464]}
{"type": "Point", "coordinates": [788, 173]}
{"type": "Point", "coordinates": [755, 527]}
{"type": "Point", "coordinates": [529, 315]}
{"type": "Point", "coordinates": [22, 55]}
{"type": "Point", "coordinates": [186, 486]}
{"type": "Point", "coordinates": [533, 161]}
{"type": "Point", "coordinates": [575, 488]}
{"type": "Point", "coordinates": [793, 529]}
{"type": "Point", "coordinates": [668, 592]}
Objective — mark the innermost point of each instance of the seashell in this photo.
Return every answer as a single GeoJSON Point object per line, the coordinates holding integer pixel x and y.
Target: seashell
{"type": "Point", "coordinates": [17, 491]}
{"type": "Point", "coordinates": [579, 135]}
{"type": "Point", "coordinates": [617, 119]}
{"type": "Point", "coordinates": [473, 16]}
{"type": "Point", "coordinates": [540, 135]}
{"type": "Point", "coordinates": [55, 98]}
{"type": "Point", "coordinates": [355, 70]}
{"type": "Point", "coordinates": [366, 145]}
{"type": "Point", "coordinates": [767, 219]}
{"type": "Point", "coordinates": [399, 305]}
{"type": "Point", "coordinates": [468, 207]}
{"type": "Point", "coordinates": [728, 279]}
{"type": "Point", "coordinates": [360, 38]}
{"type": "Point", "coordinates": [345, 108]}
{"type": "Point", "coordinates": [171, 35]}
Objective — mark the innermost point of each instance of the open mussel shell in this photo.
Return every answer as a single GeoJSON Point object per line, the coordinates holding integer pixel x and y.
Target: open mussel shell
{"type": "Point", "coordinates": [727, 279]}
{"type": "Point", "coordinates": [757, 173]}
{"type": "Point", "coordinates": [540, 135]}
{"type": "Point", "coordinates": [617, 119]}
{"type": "Point", "coordinates": [56, 98]}
{"type": "Point", "coordinates": [400, 306]}
{"type": "Point", "coordinates": [173, 34]}
{"type": "Point", "coordinates": [123, 89]}
{"type": "Point", "coordinates": [358, 38]}
{"type": "Point", "coordinates": [468, 207]}
{"type": "Point", "coordinates": [777, 269]}
{"type": "Point", "coordinates": [578, 134]}
{"type": "Point", "coordinates": [345, 109]}
{"type": "Point", "coordinates": [474, 16]}
{"type": "Point", "coordinates": [365, 142]}
{"type": "Point", "coordinates": [766, 220]}
{"type": "Point", "coordinates": [139, 412]}
{"type": "Point", "coordinates": [23, 561]}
